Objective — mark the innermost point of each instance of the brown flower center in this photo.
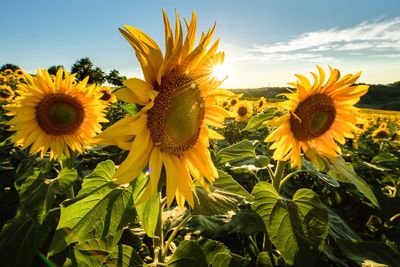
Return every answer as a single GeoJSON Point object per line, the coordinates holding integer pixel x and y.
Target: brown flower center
{"type": "Point", "coordinates": [5, 93]}
{"type": "Point", "coordinates": [59, 114]}
{"type": "Point", "coordinates": [312, 117]}
{"type": "Point", "coordinates": [106, 95]}
{"type": "Point", "coordinates": [176, 117]}
{"type": "Point", "coordinates": [242, 111]}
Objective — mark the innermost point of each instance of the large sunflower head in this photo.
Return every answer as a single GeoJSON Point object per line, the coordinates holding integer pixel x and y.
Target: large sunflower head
{"type": "Point", "coordinates": [55, 116]}
{"type": "Point", "coordinates": [178, 99]}
{"type": "Point", "coordinates": [319, 115]}
{"type": "Point", "coordinates": [6, 93]}
{"type": "Point", "coordinates": [243, 111]}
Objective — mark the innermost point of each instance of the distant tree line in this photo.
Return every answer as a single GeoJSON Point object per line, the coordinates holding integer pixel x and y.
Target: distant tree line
{"type": "Point", "coordinates": [84, 67]}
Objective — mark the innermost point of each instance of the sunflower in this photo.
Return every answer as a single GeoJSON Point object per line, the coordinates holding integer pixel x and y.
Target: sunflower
{"type": "Point", "coordinates": [107, 94]}
{"type": "Point", "coordinates": [381, 132]}
{"type": "Point", "coordinates": [261, 104]}
{"type": "Point", "coordinates": [177, 97]}
{"type": "Point", "coordinates": [6, 93]}
{"type": "Point", "coordinates": [19, 73]}
{"type": "Point", "coordinates": [243, 111]}
{"type": "Point", "coordinates": [8, 72]}
{"type": "Point", "coordinates": [319, 115]}
{"type": "Point", "coordinates": [55, 115]}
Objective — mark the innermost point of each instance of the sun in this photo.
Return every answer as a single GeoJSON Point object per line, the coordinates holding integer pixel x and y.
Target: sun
{"type": "Point", "coordinates": [220, 72]}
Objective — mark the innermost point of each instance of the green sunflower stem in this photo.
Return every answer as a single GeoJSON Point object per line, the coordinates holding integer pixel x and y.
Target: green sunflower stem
{"type": "Point", "coordinates": [276, 181]}
{"type": "Point", "coordinates": [175, 232]}
{"type": "Point", "coordinates": [158, 241]}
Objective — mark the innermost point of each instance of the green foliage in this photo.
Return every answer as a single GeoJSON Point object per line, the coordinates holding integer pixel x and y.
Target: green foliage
{"type": "Point", "coordinates": [297, 227]}
{"type": "Point", "coordinates": [101, 209]}
{"type": "Point", "coordinates": [188, 253]}
{"type": "Point", "coordinates": [115, 78]}
{"type": "Point", "coordinates": [84, 68]}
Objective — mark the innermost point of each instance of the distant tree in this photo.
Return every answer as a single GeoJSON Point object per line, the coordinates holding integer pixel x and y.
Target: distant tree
{"type": "Point", "coordinates": [9, 66]}
{"type": "Point", "coordinates": [115, 78]}
{"type": "Point", "coordinates": [84, 67]}
{"type": "Point", "coordinates": [53, 69]}
{"type": "Point", "coordinates": [397, 83]}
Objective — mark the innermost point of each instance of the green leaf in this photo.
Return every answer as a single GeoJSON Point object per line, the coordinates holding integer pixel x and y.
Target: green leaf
{"type": "Point", "coordinates": [124, 256]}
{"type": "Point", "coordinates": [37, 194]}
{"type": "Point", "coordinates": [21, 239]}
{"type": "Point", "coordinates": [216, 202]}
{"type": "Point", "coordinates": [96, 212]}
{"type": "Point", "coordinates": [211, 248]}
{"type": "Point", "coordinates": [224, 259]}
{"type": "Point", "coordinates": [344, 172]}
{"type": "Point", "coordinates": [339, 229]}
{"type": "Point", "coordinates": [297, 227]}
{"type": "Point", "coordinates": [361, 251]}
{"type": "Point", "coordinates": [148, 210]}
{"type": "Point", "coordinates": [243, 150]}
{"type": "Point", "coordinates": [188, 253]}
{"type": "Point", "coordinates": [264, 260]}
{"type": "Point", "coordinates": [324, 177]}
{"type": "Point", "coordinates": [132, 109]}
{"type": "Point", "coordinates": [97, 252]}
{"type": "Point", "coordinates": [209, 225]}
{"type": "Point", "coordinates": [257, 122]}
{"type": "Point", "coordinates": [385, 158]}
{"type": "Point", "coordinates": [245, 222]}
{"type": "Point", "coordinates": [227, 183]}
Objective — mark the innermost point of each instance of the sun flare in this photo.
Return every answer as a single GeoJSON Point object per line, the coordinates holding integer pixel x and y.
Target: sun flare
{"type": "Point", "coordinates": [220, 72]}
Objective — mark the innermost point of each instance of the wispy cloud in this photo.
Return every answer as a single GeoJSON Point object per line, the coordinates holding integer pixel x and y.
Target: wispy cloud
{"type": "Point", "coordinates": [379, 38]}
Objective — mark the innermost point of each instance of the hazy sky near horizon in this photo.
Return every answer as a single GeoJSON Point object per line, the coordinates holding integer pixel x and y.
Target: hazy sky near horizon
{"type": "Point", "coordinates": [266, 42]}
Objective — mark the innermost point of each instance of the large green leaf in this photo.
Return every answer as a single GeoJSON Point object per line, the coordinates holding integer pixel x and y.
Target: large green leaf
{"type": "Point", "coordinates": [101, 209]}
{"type": "Point", "coordinates": [324, 177]}
{"type": "Point", "coordinates": [240, 151]}
{"type": "Point", "coordinates": [37, 193]}
{"type": "Point", "coordinates": [188, 253]}
{"type": "Point", "coordinates": [257, 122]}
{"type": "Point", "coordinates": [215, 202]}
{"type": "Point", "coordinates": [227, 183]}
{"type": "Point", "coordinates": [361, 251]}
{"type": "Point", "coordinates": [211, 248]}
{"type": "Point", "coordinates": [224, 259]}
{"type": "Point", "coordinates": [21, 239]}
{"type": "Point", "coordinates": [264, 260]}
{"type": "Point", "coordinates": [209, 225]}
{"type": "Point", "coordinates": [297, 227]}
{"type": "Point", "coordinates": [147, 211]}
{"type": "Point", "coordinates": [245, 222]}
{"type": "Point", "coordinates": [98, 252]}
{"type": "Point", "coordinates": [339, 229]}
{"type": "Point", "coordinates": [344, 172]}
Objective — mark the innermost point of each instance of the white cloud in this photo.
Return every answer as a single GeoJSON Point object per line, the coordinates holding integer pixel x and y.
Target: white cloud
{"type": "Point", "coordinates": [370, 39]}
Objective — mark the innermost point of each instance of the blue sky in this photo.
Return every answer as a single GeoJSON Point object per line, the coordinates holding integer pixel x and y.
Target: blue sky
{"type": "Point", "coordinates": [266, 42]}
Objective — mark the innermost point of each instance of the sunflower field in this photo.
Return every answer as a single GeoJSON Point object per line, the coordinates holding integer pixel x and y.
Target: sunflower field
{"type": "Point", "coordinates": [172, 170]}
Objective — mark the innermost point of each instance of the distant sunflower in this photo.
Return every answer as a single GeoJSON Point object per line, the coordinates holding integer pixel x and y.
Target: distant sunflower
{"type": "Point", "coordinates": [319, 115]}
{"type": "Point", "coordinates": [19, 72]}
{"type": "Point", "coordinates": [54, 115]}
{"type": "Point", "coordinates": [233, 101]}
{"type": "Point", "coordinates": [178, 99]}
{"type": "Point", "coordinates": [8, 72]}
{"type": "Point", "coordinates": [107, 94]}
{"type": "Point", "coordinates": [6, 93]}
{"type": "Point", "coordinates": [261, 104]}
{"type": "Point", "coordinates": [381, 132]}
{"type": "Point", "coordinates": [243, 111]}
{"type": "Point", "coordinates": [225, 105]}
